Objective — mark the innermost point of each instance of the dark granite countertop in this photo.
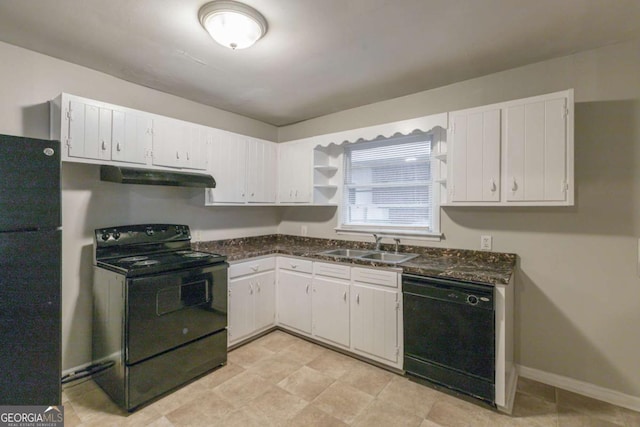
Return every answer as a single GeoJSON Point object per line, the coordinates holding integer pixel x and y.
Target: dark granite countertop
{"type": "Point", "coordinates": [492, 268]}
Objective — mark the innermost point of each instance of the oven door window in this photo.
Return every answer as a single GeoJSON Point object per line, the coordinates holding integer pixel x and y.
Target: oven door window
{"type": "Point", "coordinates": [176, 298]}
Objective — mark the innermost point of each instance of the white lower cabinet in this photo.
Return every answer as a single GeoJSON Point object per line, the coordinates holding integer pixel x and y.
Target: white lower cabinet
{"type": "Point", "coordinates": [354, 308]}
{"type": "Point", "coordinates": [375, 322]}
{"type": "Point", "coordinates": [252, 298]}
{"type": "Point", "coordinates": [294, 294]}
{"type": "Point", "coordinates": [330, 303]}
{"type": "Point", "coordinates": [376, 315]}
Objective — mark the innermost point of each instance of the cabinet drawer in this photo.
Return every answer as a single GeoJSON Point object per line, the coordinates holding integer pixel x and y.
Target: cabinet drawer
{"type": "Point", "coordinates": [339, 271]}
{"type": "Point", "coordinates": [295, 264]}
{"type": "Point", "coordinates": [252, 267]}
{"type": "Point", "coordinates": [375, 277]}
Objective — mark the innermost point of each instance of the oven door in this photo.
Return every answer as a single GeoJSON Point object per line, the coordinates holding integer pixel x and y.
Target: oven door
{"type": "Point", "coordinates": [167, 310]}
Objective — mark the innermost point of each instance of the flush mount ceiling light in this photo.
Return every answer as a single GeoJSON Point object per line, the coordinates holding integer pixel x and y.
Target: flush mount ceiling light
{"type": "Point", "coordinates": [232, 24]}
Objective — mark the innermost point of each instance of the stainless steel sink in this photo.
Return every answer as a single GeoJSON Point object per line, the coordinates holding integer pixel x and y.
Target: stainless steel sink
{"type": "Point", "coordinates": [369, 255]}
{"type": "Point", "coordinates": [388, 257]}
{"type": "Point", "coordinates": [346, 253]}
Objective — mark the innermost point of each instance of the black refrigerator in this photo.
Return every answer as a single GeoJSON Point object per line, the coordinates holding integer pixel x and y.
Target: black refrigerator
{"type": "Point", "coordinates": [30, 271]}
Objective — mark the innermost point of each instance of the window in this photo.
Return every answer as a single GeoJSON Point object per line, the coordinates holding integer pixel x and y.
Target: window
{"type": "Point", "coordinates": [388, 186]}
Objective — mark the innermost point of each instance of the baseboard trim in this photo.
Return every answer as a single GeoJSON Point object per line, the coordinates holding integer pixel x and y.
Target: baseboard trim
{"type": "Point", "coordinates": [586, 389]}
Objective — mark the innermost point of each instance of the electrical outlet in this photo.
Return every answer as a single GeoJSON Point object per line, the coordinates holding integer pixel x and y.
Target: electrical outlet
{"type": "Point", "coordinates": [303, 230]}
{"type": "Point", "coordinates": [486, 243]}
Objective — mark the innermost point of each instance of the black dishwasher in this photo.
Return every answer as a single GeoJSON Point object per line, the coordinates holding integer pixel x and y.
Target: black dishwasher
{"type": "Point", "coordinates": [449, 334]}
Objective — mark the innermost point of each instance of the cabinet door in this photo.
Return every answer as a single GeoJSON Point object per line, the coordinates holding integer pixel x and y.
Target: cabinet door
{"type": "Point", "coordinates": [168, 149]}
{"type": "Point", "coordinates": [241, 312]}
{"type": "Point", "coordinates": [536, 151]}
{"type": "Point", "coordinates": [196, 154]}
{"type": "Point", "coordinates": [295, 171]}
{"type": "Point", "coordinates": [264, 300]}
{"type": "Point", "coordinates": [89, 131]}
{"type": "Point", "coordinates": [285, 173]}
{"type": "Point", "coordinates": [227, 164]}
{"type": "Point", "coordinates": [374, 321]}
{"type": "Point", "coordinates": [474, 145]}
{"type": "Point", "coordinates": [131, 137]}
{"type": "Point", "coordinates": [331, 310]}
{"type": "Point", "coordinates": [261, 171]}
{"type": "Point", "coordinates": [294, 300]}
{"type": "Point", "coordinates": [302, 173]}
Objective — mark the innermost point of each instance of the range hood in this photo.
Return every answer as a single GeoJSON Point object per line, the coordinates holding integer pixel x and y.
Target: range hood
{"type": "Point", "coordinates": [126, 175]}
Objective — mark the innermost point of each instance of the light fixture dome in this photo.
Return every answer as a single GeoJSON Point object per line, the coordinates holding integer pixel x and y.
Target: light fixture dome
{"type": "Point", "coordinates": [232, 24]}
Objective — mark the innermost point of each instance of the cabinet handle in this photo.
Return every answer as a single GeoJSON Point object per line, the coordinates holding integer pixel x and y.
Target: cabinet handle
{"type": "Point", "coordinates": [307, 289]}
{"type": "Point", "coordinates": [250, 288]}
{"type": "Point", "coordinates": [256, 268]}
{"type": "Point", "coordinates": [118, 148]}
{"type": "Point", "coordinates": [294, 266]}
{"type": "Point", "coordinates": [492, 185]}
{"type": "Point", "coordinates": [357, 298]}
{"type": "Point", "coordinates": [104, 145]}
{"type": "Point", "coordinates": [188, 156]}
{"type": "Point", "coordinates": [178, 155]}
{"type": "Point", "coordinates": [252, 194]}
{"type": "Point", "coordinates": [258, 286]}
{"type": "Point", "coordinates": [514, 186]}
{"type": "Point", "coordinates": [344, 296]}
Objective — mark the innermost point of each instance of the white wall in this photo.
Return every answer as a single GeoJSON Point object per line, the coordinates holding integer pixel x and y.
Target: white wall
{"type": "Point", "coordinates": [578, 290]}
{"type": "Point", "coordinates": [28, 81]}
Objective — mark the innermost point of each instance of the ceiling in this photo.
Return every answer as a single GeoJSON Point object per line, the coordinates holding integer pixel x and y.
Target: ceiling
{"type": "Point", "coordinates": [319, 56]}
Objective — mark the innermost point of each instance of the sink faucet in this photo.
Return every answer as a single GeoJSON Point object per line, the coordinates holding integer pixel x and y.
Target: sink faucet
{"type": "Point", "coordinates": [397, 243]}
{"type": "Point", "coordinates": [378, 239]}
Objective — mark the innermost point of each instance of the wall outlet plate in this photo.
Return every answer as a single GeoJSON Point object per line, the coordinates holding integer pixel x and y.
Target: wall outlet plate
{"type": "Point", "coordinates": [486, 242]}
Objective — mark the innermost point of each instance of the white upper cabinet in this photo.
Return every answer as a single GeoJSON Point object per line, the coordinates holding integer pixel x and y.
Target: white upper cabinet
{"type": "Point", "coordinates": [227, 164]}
{"type": "Point", "coordinates": [474, 147]}
{"type": "Point", "coordinates": [131, 137]}
{"type": "Point", "coordinates": [261, 158]}
{"type": "Point", "coordinates": [536, 143]}
{"type": "Point", "coordinates": [516, 153]}
{"type": "Point", "coordinates": [89, 131]}
{"type": "Point", "coordinates": [179, 144]}
{"type": "Point", "coordinates": [94, 131]}
{"type": "Point", "coordinates": [244, 169]}
{"type": "Point", "coordinates": [295, 172]}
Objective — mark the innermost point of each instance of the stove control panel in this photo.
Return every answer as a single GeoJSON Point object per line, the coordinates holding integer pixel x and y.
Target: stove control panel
{"type": "Point", "coordinates": [141, 234]}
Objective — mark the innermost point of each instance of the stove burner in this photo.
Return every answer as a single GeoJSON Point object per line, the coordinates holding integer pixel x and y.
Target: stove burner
{"type": "Point", "coordinates": [133, 259]}
{"type": "Point", "coordinates": [145, 262]}
{"type": "Point", "coordinates": [196, 255]}
{"type": "Point", "coordinates": [183, 252]}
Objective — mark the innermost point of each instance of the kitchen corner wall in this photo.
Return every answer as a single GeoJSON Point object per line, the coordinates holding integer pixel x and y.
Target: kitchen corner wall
{"type": "Point", "coordinates": [577, 289]}
{"type": "Point", "coordinates": [28, 81]}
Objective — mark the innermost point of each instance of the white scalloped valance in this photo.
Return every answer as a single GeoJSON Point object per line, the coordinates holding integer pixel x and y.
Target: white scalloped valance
{"type": "Point", "coordinates": [404, 127]}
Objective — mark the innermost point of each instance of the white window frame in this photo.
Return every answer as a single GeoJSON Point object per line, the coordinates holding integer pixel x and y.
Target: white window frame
{"type": "Point", "coordinates": [432, 233]}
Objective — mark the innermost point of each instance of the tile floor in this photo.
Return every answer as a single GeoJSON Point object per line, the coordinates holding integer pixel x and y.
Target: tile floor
{"type": "Point", "coordinates": [281, 380]}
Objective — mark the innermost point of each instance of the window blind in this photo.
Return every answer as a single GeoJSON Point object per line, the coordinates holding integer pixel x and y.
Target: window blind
{"type": "Point", "coordinates": [388, 184]}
